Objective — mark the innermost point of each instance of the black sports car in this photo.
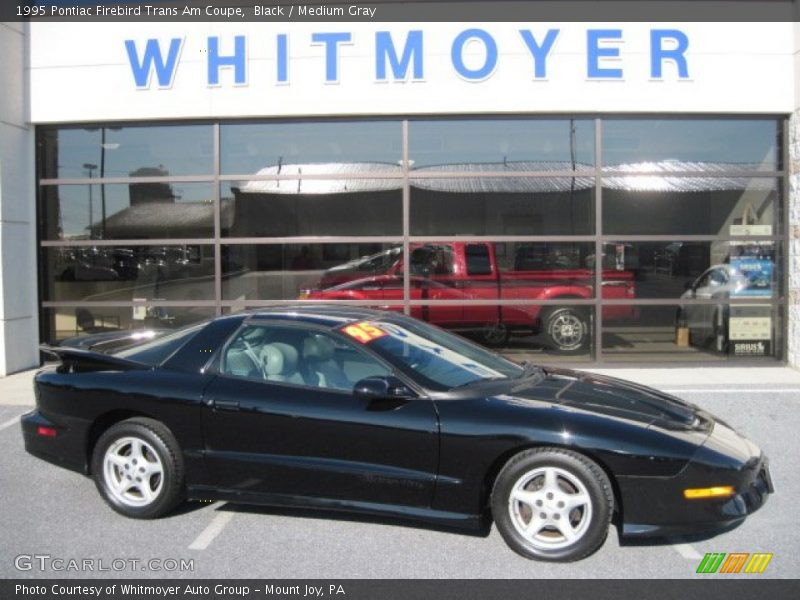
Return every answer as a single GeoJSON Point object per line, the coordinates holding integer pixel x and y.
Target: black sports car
{"type": "Point", "coordinates": [375, 412]}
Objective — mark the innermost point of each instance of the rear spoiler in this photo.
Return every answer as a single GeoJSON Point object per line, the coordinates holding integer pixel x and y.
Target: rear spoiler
{"type": "Point", "coordinates": [80, 360]}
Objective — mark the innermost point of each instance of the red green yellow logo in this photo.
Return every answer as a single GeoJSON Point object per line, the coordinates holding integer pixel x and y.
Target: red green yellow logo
{"type": "Point", "coordinates": [734, 562]}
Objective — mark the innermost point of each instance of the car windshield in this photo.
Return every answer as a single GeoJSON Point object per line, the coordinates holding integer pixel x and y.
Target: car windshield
{"type": "Point", "coordinates": [441, 360]}
{"type": "Point", "coordinates": [156, 351]}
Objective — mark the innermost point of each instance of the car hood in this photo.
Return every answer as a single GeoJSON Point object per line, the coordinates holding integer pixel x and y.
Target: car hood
{"type": "Point", "coordinates": [611, 397]}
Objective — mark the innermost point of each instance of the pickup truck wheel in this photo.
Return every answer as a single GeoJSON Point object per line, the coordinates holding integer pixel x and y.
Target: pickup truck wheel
{"type": "Point", "coordinates": [494, 335]}
{"type": "Point", "coordinates": [566, 330]}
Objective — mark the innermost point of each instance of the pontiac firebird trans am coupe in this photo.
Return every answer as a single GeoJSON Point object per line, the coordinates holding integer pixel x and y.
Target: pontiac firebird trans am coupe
{"type": "Point", "coordinates": [353, 409]}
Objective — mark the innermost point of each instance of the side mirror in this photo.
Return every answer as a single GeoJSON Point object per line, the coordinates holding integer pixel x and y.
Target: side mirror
{"type": "Point", "coordinates": [382, 388]}
{"type": "Point", "coordinates": [689, 285]}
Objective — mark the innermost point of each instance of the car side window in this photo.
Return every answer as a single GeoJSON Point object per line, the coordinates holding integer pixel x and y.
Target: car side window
{"type": "Point", "coordinates": [703, 280]}
{"type": "Point", "coordinates": [296, 356]}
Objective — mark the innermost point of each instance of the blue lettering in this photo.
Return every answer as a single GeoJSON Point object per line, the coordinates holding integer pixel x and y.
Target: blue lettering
{"type": "Point", "coordinates": [238, 61]}
{"type": "Point", "coordinates": [283, 59]}
{"type": "Point", "coordinates": [331, 42]}
{"type": "Point", "coordinates": [386, 52]}
{"type": "Point", "coordinates": [658, 54]}
{"type": "Point", "coordinates": [165, 70]}
{"type": "Point", "coordinates": [457, 54]}
{"type": "Point", "coordinates": [538, 51]}
{"type": "Point", "coordinates": [594, 53]}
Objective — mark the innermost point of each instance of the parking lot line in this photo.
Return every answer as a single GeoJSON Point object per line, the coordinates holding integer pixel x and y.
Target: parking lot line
{"type": "Point", "coordinates": [9, 423]}
{"type": "Point", "coordinates": [685, 549]}
{"type": "Point", "coordinates": [214, 528]}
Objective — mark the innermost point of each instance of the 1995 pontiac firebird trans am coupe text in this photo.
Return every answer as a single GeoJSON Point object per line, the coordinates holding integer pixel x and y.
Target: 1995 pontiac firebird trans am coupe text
{"type": "Point", "coordinates": [353, 409]}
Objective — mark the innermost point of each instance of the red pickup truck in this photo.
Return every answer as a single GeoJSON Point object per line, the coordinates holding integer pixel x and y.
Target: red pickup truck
{"type": "Point", "coordinates": [464, 271]}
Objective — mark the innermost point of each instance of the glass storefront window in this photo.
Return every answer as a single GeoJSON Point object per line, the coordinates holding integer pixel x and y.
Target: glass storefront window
{"type": "Point", "coordinates": [65, 322]}
{"type": "Point", "coordinates": [681, 269]}
{"type": "Point", "coordinates": [128, 273]}
{"type": "Point", "coordinates": [309, 271]}
{"type": "Point", "coordinates": [127, 211]}
{"type": "Point", "coordinates": [312, 207]}
{"type": "Point", "coordinates": [333, 148]}
{"type": "Point", "coordinates": [125, 151]}
{"type": "Point", "coordinates": [713, 206]}
{"type": "Point", "coordinates": [691, 332]}
{"type": "Point", "coordinates": [502, 144]}
{"type": "Point", "coordinates": [503, 206]}
{"type": "Point", "coordinates": [632, 145]}
{"type": "Point", "coordinates": [501, 218]}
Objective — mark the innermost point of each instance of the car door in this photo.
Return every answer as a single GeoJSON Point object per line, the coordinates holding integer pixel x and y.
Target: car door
{"type": "Point", "coordinates": [299, 430]}
{"type": "Point", "coordinates": [711, 285]}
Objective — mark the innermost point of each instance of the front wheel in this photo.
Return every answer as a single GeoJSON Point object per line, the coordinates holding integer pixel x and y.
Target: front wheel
{"type": "Point", "coordinates": [552, 504]}
{"type": "Point", "coordinates": [566, 330]}
{"type": "Point", "coordinates": [138, 468]}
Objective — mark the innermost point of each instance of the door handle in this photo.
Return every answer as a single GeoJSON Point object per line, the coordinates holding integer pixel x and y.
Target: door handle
{"type": "Point", "coordinates": [229, 405]}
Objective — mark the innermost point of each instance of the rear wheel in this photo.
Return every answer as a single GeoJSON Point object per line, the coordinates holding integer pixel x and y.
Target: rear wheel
{"type": "Point", "coordinates": [552, 504]}
{"type": "Point", "coordinates": [566, 330]}
{"type": "Point", "coordinates": [719, 336]}
{"type": "Point", "coordinates": [494, 335]}
{"type": "Point", "coordinates": [138, 468]}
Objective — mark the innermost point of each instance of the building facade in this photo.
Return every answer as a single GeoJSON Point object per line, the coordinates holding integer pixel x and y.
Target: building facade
{"type": "Point", "coordinates": [154, 174]}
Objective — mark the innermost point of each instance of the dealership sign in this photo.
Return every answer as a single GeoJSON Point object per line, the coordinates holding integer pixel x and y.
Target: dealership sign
{"type": "Point", "coordinates": [84, 72]}
{"type": "Point", "coordinates": [404, 58]}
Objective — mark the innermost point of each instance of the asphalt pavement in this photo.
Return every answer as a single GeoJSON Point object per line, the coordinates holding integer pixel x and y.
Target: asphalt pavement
{"type": "Point", "coordinates": [51, 516]}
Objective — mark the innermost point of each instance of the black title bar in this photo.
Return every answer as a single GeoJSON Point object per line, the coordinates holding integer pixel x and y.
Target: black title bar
{"type": "Point", "coordinates": [406, 10]}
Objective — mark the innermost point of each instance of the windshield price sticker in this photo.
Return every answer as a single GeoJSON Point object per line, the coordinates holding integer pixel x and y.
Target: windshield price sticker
{"type": "Point", "coordinates": [364, 332]}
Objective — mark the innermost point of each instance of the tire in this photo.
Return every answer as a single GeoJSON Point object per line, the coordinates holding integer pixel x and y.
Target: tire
{"type": "Point", "coordinates": [719, 334]}
{"type": "Point", "coordinates": [528, 477]}
{"type": "Point", "coordinates": [566, 330]}
{"type": "Point", "coordinates": [495, 335]}
{"type": "Point", "coordinates": [135, 453]}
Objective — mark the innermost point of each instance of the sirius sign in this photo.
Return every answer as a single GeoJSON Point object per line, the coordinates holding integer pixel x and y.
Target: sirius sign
{"type": "Point", "coordinates": [473, 56]}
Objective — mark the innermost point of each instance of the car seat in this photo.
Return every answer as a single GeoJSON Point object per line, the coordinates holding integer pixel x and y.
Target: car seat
{"type": "Point", "coordinates": [318, 362]}
{"type": "Point", "coordinates": [279, 362]}
{"type": "Point", "coordinates": [240, 362]}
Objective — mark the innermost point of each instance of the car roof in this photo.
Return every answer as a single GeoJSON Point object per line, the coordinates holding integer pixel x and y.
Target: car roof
{"type": "Point", "coordinates": [328, 315]}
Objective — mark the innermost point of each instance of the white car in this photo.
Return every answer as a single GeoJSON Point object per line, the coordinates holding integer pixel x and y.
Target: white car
{"type": "Point", "coordinates": [708, 323]}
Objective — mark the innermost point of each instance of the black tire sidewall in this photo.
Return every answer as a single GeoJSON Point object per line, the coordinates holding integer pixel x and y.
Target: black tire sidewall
{"type": "Point", "coordinates": [162, 441]}
{"type": "Point", "coordinates": [590, 474]}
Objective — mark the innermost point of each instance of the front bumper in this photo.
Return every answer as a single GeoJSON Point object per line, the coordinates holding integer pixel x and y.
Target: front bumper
{"type": "Point", "coordinates": [655, 506]}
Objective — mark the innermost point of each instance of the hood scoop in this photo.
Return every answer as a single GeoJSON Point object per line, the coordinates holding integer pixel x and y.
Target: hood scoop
{"type": "Point", "coordinates": [624, 399]}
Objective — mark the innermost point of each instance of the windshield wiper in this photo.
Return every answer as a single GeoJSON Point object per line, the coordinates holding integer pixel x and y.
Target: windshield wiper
{"type": "Point", "coordinates": [528, 369]}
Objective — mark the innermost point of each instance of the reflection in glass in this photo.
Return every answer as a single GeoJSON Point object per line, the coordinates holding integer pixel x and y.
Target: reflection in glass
{"type": "Point", "coordinates": [127, 273]}
{"type": "Point", "coordinates": [290, 271]}
{"type": "Point", "coordinates": [690, 144]}
{"type": "Point", "coordinates": [502, 144]}
{"type": "Point", "coordinates": [714, 331]}
{"type": "Point", "coordinates": [280, 208]}
{"type": "Point", "coordinates": [282, 148]}
{"type": "Point", "coordinates": [139, 151]}
{"type": "Point", "coordinates": [68, 322]}
{"type": "Point", "coordinates": [129, 211]}
{"type": "Point", "coordinates": [503, 206]}
{"type": "Point", "coordinates": [663, 205]}
{"type": "Point", "coordinates": [697, 270]}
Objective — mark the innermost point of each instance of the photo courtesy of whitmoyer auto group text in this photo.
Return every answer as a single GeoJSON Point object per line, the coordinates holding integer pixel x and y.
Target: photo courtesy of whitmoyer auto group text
{"type": "Point", "coordinates": [400, 299]}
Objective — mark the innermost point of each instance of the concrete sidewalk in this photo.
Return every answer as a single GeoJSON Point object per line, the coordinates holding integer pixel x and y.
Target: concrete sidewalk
{"type": "Point", "coordinates": [17, 389]}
